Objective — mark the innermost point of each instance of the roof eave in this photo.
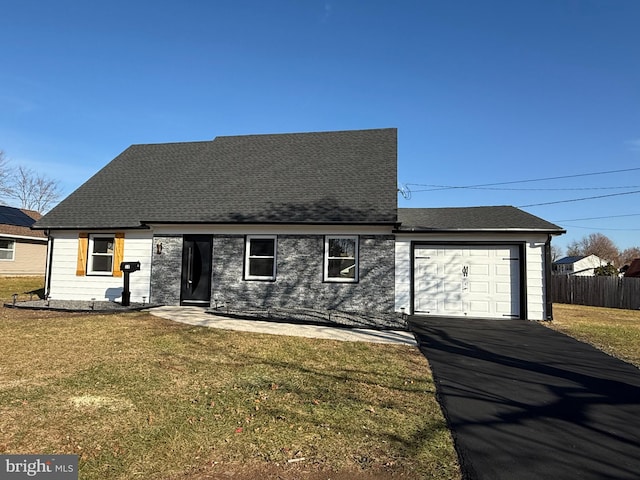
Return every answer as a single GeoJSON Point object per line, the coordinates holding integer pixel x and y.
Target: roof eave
{"type": "Point", "coordinates": [478, 230]}
{"type": "Point", "coordinates": [91, 227]}
{"type": "Point", "coordinates": [23, 237]}
{"type": "Point", "coordinates": [372, 223]}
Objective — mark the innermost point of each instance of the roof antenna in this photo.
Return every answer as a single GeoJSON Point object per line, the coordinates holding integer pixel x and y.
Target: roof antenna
{"type": "Point", "coordinates": [404, 191]}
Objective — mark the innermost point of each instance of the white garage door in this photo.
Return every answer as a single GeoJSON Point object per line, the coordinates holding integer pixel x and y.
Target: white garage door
{"type": "Point", "coordinates": [472, 281]}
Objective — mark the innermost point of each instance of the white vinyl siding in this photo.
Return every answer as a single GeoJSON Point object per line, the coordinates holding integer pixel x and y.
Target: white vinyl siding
{"type": "Point", "coordinates": [66, 285]}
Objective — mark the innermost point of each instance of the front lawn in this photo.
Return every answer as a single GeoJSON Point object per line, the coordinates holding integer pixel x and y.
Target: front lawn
{"type": "Point", "coordinates": [612, 330]}
{"type": "Point", "coordinates": [136, 396]}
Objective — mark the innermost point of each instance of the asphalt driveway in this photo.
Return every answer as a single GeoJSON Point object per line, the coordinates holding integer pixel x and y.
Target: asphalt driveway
{"type": "Point", "coordinates": [525, 402]}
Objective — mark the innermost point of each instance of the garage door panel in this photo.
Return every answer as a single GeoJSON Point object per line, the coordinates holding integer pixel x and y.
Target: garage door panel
{"type": "Point", "coordinates": [504, 309]}
{"type": "Point", "coordinates": [426, 304]}
{"type": "Point", "coordinates": [479, 287]}
{"type": "Point", "coordinates": [452, 307]}
{"type": "Point", "coordinates": [452, 269]}
{"type": "Point", "coordinates": [503, 288]}
{"type": "Point", "coordinates": [452, 289]}
{"type": "Point", "coordinates": [478, 306]}
{"type": "Point", "coordinates": [490, 288]}
{"type": "Point", "coordinates": [504, 270]}
{"type": "Point", "coordinates": [480, 270]}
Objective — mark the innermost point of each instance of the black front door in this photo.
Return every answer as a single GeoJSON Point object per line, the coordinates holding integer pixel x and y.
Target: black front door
{"type": "Point", "coordinates": [196, 270]}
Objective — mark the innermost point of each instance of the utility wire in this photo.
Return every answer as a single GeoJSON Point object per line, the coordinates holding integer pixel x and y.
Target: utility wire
{"type": "Point", "coordinates": [579, 199]}
{"type": "Point", "coordinates": [597, 218]}
{"type": "Point", "coordinates": [530, 180]}
{"type": "Point", "coordinates": [613, 229]}
{"type": "Point", "coordinates": [444, 187]}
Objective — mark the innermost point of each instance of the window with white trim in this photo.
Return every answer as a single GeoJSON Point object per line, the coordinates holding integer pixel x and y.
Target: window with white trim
{"type": "Point", "coordinates": [7, 249]}
{"type": "Point", "coordinates": [101, 250]}
{"type": "Point", "coordinates": [260, 257]}
{"type": "Point", "coordinates": [341, 258]}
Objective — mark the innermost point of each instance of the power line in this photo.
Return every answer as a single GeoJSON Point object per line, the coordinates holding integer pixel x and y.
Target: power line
{"type": "Point", "coordinates": [597, 218]}
{"type": "Point", "coordinates": [528, 181]}
{"type": "Point", "coordinates": [444, 187]}
{"type": "Point", "coordinates": [612, 229]}
{"type": "Point", "coordinates": [579, 199]}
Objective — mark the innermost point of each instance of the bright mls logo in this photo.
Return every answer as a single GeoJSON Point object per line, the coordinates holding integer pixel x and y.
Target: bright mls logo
{"type": "Point", "coordinates": [49, 467]}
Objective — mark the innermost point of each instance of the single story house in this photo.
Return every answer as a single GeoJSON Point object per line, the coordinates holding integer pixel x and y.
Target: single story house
{"type": "Point", "coordinates": [299, 221]}
{"type": "Point", "coordinates": [23, 251]}
{"type": "Point", "coordinates": [580, 265]}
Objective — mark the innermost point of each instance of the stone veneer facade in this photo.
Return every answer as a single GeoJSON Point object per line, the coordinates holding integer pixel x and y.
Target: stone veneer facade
{"type": "Point", "coordinates": [299, 276]}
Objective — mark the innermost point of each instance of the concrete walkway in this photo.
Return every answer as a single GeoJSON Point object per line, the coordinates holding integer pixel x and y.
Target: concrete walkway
{"type": "Point", "coordinates": [525, 402]}
{"type": "Point", "coordinates": [198, 316]}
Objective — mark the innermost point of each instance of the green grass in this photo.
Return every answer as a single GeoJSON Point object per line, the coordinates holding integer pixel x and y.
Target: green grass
{"type": "Point", "coordinates": [614, 331]}
{"type": "Point", "coordinates": [136, 396]}
{"type": "Point", "coordinates": [20, 285]}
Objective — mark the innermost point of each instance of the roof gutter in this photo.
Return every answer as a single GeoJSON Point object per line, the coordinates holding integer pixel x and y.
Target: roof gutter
{"type": "Point", "coordinates": [346, 224]}
{"type": "Point", "coordinates": [23, 237]}
{"type": "Point", "coordinates": [477, 230]}
{"type": "Point", "coordinates": [93, 227]}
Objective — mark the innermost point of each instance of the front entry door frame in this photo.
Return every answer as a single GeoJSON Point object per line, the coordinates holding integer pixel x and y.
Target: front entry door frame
{"type": "Point", "coordinates": [197, 263]}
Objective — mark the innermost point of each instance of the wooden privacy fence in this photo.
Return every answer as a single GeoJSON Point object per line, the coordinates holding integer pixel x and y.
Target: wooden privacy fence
{"type": "Point", "coordinates": [612, 292]}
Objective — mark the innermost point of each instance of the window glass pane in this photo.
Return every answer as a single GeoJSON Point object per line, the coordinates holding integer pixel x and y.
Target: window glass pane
{"type": "Point", "coordinates": [342, 247]}
{"type": "Point", "coordinates": [342, 268]}
{"type": "Point", "coordinates": [6, 255]}
{"type": "Point", "coordinates": [261, 267]}
{"type": "Point", "coordinates": [7, 244]}
{"type": "Point", "coordinates": [103, 245]}
{"type": "Point", "coordinates": [102, 263]}
{"type": "Point", "coordinates": [261, 247]}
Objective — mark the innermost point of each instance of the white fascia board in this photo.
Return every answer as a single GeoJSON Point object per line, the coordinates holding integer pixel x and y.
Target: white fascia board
{"type": "Point", "coordinates": [422, 231]}
{"type": "Point", "coordinates": [23, 237]}
{"type": "Point", "coordinates": [474, 236]}
{"type": "Point", "coordinates": [270, 229]}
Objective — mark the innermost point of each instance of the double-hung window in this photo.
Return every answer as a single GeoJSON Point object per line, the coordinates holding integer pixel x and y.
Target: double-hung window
{"type": "Point", "coordinates": [101, 251]}
{"type": "Point", "coordinates": [7, 249]}
{"type": "Point", "coordinates": [341, 258]}
{"type": "Point", "coordinates": [260, 257]}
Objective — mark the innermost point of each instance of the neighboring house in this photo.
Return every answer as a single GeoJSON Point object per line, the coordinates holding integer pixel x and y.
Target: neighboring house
{"type": "Point", "coordinates": [580, 265]}
{"type": "Point", "coordinates": [303, 220]}
{"type": "Point", "coordinates": [633, 270]}
{"type": "Point", "coordinates": [22, 251]}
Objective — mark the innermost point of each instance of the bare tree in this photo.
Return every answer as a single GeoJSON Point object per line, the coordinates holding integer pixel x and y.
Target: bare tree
{"type": "Point", "coordinates": [556, 253]}
{"type": "Point", "coordinates": [629, 254]}
{"type": "Point", "coordinates": [5, 177]}
{"type": "Point", "coordinates": [34, 191]}
{"type": "Point", "coordinates": [595, 244]}
{"type": "Point", "coordinates": [574, 249]}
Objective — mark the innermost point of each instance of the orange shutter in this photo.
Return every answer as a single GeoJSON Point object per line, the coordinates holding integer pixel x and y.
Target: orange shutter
{"type": "Point", "coordinates": [118, 254]}
{"type": "Point", "coordinates": [83, 245]}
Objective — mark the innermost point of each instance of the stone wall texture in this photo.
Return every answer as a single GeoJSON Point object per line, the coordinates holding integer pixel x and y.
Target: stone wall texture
{"type": "Point", "coordinates": [166, 270]}
{"type": "Point", "coordinates": [299, 281]}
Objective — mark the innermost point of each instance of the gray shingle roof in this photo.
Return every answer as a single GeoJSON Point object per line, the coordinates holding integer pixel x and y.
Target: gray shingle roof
{"type": "Point", "coordinates": [569, 260]}
{"type": "Point", "coordinates": [18, 221]}
{"type": "Point", "coordinates": [499, 218]}
{"type": "Point", "coordinates": [324, 177]}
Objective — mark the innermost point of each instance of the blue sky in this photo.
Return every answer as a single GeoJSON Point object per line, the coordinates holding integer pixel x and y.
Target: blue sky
{"type": "Point", "coordinates": [482, 92]}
